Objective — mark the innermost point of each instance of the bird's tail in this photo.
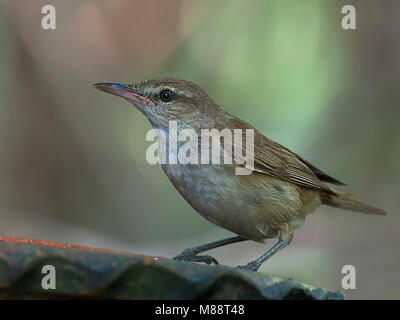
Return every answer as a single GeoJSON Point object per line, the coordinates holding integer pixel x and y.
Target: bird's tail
{"type": "Point", "coordinates": [346, 201]}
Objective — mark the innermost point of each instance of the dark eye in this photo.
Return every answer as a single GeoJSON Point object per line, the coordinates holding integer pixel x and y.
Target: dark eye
{"type": "Point", "coordinates": [167, 95]}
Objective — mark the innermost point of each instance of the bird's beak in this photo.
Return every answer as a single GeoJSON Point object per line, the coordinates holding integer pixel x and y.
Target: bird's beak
{"type": "Point", "coordinates": [122, 90]}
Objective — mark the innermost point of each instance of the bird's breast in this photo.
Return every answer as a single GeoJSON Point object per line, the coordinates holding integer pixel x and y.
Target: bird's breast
{"type": "Point", "coordinates": [254, 206]}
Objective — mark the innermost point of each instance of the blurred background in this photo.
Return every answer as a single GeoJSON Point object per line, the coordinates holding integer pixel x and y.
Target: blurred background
{"type": "Point", "coordinates": [72, 159]}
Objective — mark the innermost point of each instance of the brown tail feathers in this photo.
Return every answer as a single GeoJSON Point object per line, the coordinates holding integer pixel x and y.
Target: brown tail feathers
{"type": "Point", "coordinates": [346, 201]}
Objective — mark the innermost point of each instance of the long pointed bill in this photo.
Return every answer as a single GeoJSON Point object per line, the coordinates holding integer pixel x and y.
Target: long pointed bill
{"type": "Point", "coordinates": [122, 90]}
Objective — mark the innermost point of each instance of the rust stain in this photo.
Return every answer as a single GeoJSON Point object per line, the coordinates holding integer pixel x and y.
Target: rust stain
{"type": "Point", "coordinates": [73, 246]}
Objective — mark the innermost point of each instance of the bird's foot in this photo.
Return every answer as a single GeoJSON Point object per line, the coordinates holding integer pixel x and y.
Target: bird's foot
{"type": "Point", "coordinates": [251, 266]}
{"type": "Point", "coordinates": [190, 255]}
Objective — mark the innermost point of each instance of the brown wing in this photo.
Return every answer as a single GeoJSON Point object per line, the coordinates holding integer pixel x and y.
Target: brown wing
{"type": "Point", "coordinates": [277, 161]}
{"type": "Point", "coordinates": [320, 174]}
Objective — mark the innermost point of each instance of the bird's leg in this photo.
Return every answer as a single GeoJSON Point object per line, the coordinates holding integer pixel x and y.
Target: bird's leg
{"type": "Point", "coordinates": [285, 238]}
{"type": "Point", "coordinates": [191, 254]}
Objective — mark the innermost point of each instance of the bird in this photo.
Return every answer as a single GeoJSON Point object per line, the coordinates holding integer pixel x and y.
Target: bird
{"type": "Point", "coordinates": [270, 201]}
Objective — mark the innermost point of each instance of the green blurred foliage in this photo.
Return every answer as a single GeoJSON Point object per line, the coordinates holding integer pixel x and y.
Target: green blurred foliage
{"type": "Point", "coordinates": [73, 167]}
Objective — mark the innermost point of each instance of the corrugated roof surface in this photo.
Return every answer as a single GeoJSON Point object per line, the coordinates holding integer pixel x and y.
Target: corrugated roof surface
{"type": "Point", "coordinates": [83, 272]}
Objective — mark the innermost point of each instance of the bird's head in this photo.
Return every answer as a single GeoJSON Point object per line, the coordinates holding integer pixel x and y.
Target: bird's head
{"type": "Point", "coordinates": [166, 100]}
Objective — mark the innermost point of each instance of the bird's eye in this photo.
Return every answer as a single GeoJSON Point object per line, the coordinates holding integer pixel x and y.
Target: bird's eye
{"type": "Point", "coordinates": [167, 95]}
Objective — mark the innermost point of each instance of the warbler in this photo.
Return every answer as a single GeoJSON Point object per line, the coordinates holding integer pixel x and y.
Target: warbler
{"type": "Point", "coordinates": [271, 201]}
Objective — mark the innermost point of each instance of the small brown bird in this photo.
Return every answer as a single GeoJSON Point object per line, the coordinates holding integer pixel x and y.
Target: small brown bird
{"type": "Point", "coordinates": [270, 202]}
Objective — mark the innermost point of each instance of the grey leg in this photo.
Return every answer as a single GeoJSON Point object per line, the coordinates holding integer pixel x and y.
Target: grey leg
{"type": "Point", "coordinates": [191, 254]}
{"type": "Point", "coordinates": [284, 240]}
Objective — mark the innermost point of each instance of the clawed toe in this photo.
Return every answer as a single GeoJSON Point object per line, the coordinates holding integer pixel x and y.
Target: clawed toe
{"type": "Point", "coordinates": [206, 259]}
{"type": "Point", "coordinates": [189, 255]}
